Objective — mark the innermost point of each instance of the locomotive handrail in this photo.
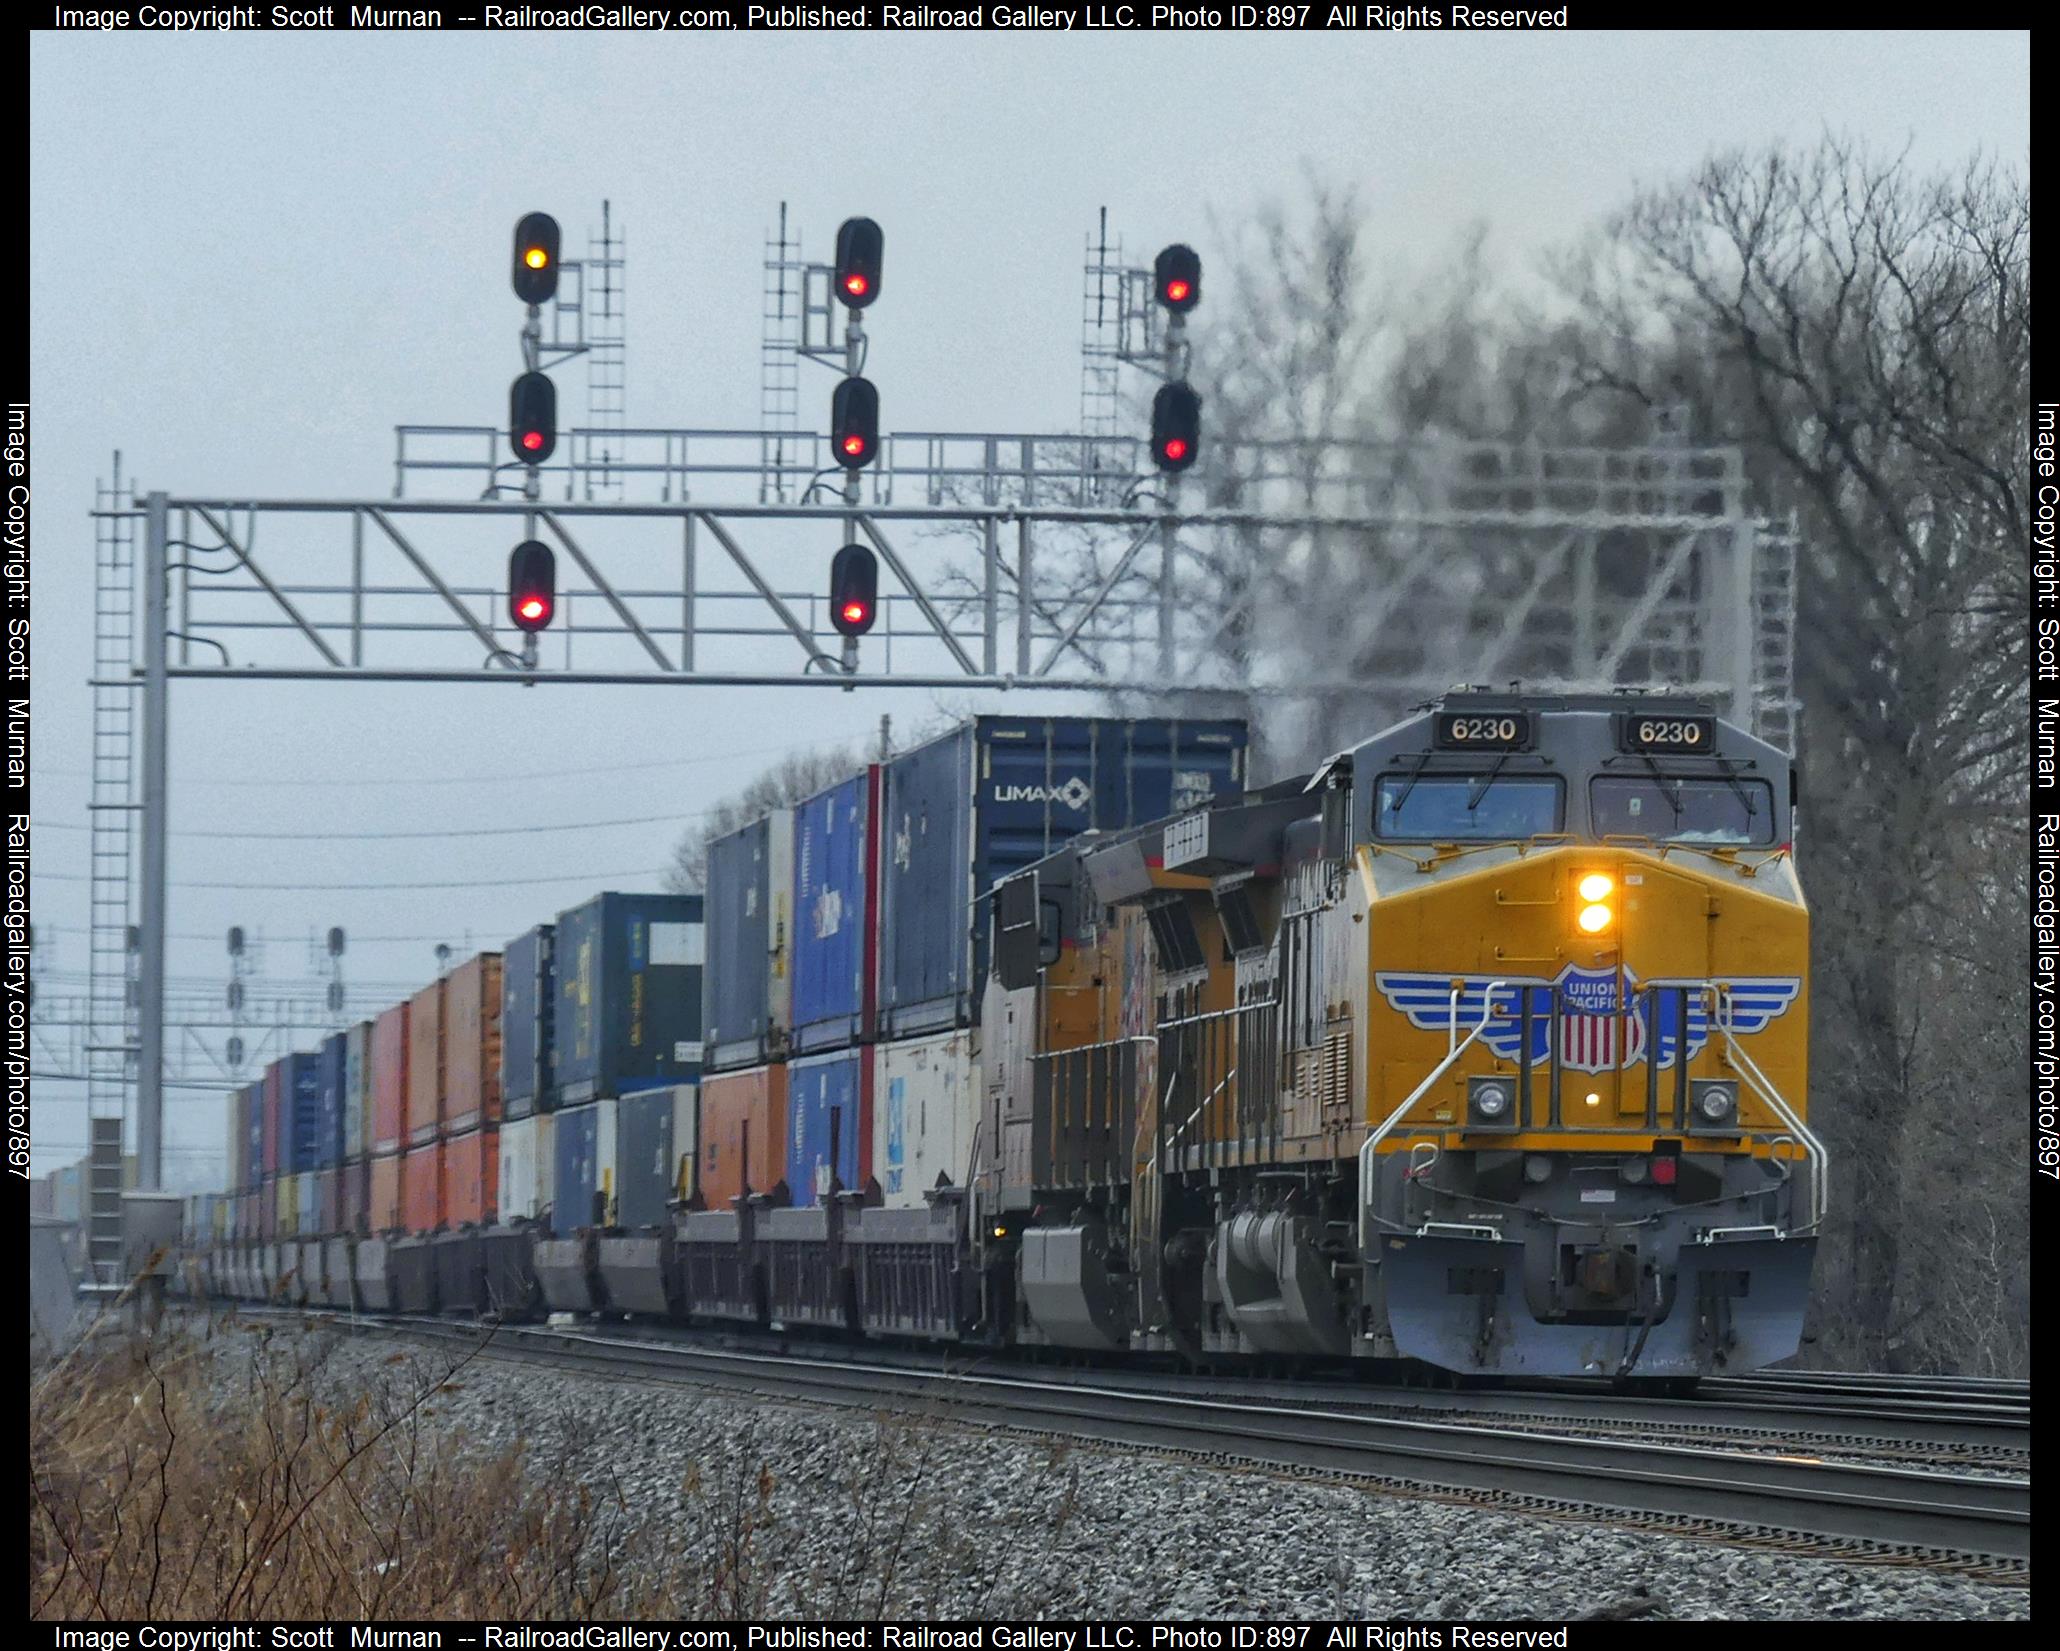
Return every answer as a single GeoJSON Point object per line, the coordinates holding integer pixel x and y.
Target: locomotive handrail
{"type": "Point", "coordinates": [1387, 1125]}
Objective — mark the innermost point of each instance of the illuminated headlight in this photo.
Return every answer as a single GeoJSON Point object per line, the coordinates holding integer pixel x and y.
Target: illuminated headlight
{"type": "Point", "coordinates": [1490, 1100]}
{"type": "Point", "coordinates": [1715, 1101]}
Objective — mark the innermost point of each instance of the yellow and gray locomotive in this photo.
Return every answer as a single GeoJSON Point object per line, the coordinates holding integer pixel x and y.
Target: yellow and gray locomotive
{"type": "Point", "coordinates": [1484, 1046]}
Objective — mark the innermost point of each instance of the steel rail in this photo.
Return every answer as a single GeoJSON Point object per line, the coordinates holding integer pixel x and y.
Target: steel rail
{"type": "Point", "coordinates": [1944, 1513]}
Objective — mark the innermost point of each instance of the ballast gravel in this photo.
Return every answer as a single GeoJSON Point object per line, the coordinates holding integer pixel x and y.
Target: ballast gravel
{"type": "Point", "coordinates": [829, 1513]}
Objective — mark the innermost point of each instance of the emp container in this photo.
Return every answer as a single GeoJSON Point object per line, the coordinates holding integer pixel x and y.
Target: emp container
{"type": "Point", "coordinates": [628, 995]}
{"type": "Point", "coordinates": [990, 797]}
{"type": "Point", "coordinates": [835, 917]}
{"type": "Point", "coordinates": [747, 1001]}
{"type": "Point", "coordinates": [527, 1000]}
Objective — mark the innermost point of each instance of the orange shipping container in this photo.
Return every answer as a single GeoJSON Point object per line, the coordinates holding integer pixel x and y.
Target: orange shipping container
{"type": "Point", "coordinates": [743, 1133]}
{"type": "Point", "coordinates": [389, 1080]}
{"type": "Point", "coordinates": [422, 1188]}
{"type": "Point", "coordinates": [472, 1044]}
{"type": "Point", "coordinates": [385, 1212]}
{"type": "Point", "coordinates": [471, 1176]}
{"type": "Point", "coordinates": [425, 1065]}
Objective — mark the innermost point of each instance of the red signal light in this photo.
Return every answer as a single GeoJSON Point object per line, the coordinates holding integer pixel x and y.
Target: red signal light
{"type": "Point", "coordinates": [1177, 290]}
{"type": "Point", "coordinates": [534, 608]}
{"type": "Point", "coordinates": [1175, 448]}
{"type": "Point", "coordinates": [854, 613]}
{"type": "Point", "coordinates": [856, 284]}
{"type": "Point", "coordinates": [854, 444]}
{"type": "Point", "coordinates": [532, 439]}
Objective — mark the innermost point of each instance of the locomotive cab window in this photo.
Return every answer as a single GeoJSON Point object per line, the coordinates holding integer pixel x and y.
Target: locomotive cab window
{"type": "Point", "coordinates": [1484, 807]}
{"type": "Point", "coordinates": [1738, 813]}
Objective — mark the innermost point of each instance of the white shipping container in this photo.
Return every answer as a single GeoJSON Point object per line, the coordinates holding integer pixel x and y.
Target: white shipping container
{"type": "Point", "coordinates": [925, 1098]}
{"type": "Point", "coordinates": [357, 1073]}
{"type": "Point", "coordinates": [525, 1187]}
{"type": "Point", "coordinates": [686, 1138]}
{"type": "Point", "coordinates": [309, 1209]}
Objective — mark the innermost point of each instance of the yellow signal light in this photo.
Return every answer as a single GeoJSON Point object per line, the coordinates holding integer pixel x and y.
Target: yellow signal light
{"type": "Point", "coordinates": [1594, 919]}
{"type": "Point", "coordinates": [1595, 886]}
{"type": "Point", "coordinates": [536, 257]}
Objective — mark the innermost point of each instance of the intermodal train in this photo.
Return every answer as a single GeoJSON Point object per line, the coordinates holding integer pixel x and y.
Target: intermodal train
{"type": "Point", "coordinates": [1482, 1047]}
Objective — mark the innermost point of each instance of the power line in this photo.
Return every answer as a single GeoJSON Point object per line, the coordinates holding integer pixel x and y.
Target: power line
{"type": "Point", "coordinates": [394, 836]}
{"type": "Point", "coordinates": [336, 888]}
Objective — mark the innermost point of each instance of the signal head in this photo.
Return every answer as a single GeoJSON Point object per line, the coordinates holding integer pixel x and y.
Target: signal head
{"type": "Point", "coordinates": [860, 249]}
{"type": "Point", "coordinates": [854, 423]}
{"type": "Point", "coordinates": [532, 586]}
{"type": "Point", "coordinates": [1177, 278]}
{"type": "Point", "coordinates": [1176, 427]}
{"type": "Point", "coordinates": [533, 417]}
{"type": "Point", "coordinates": [854, 590]}
{"type": "Point", "coordinates": [536, 258]}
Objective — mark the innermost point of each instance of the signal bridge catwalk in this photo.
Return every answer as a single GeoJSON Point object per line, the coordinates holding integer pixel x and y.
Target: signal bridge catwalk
{"type": "Point", "coordinates": [1007, 561]}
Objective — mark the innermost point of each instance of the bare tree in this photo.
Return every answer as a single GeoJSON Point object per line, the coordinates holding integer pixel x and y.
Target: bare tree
{"type": "Point", "coordinates": [798, 777]}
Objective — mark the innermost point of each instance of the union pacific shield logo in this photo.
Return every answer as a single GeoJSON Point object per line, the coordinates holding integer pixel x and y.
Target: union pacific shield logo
{"type": "Point", "coordinates": [1591, 1022]}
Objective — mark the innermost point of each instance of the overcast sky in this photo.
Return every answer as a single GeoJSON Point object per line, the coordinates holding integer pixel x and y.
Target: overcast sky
{"type": "Point", "coordinates": [251, 256]}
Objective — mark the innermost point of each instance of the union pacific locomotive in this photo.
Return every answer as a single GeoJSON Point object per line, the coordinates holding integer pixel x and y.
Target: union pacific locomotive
{"type": "Point", "coordinates": [1483, 1047]}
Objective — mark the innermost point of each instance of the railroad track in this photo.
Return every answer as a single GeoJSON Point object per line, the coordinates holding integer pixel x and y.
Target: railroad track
{"type": "Point", "coordinates": [1977, 1524]}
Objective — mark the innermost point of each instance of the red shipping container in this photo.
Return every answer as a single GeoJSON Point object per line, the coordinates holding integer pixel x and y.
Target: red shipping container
{"type": "Point", "coordinates": [389, 1083]}
{"type": "Point", "coordinates": [422, 1188]}
{"type": "Point", "coordinates": [385, 1195]}
{"type": "Point", "coordinates": [424, 1110]}
{"type": "Point", "coordinates": [352, 1197]}
{"type": "Point", "coordinates": [472, 1044]}
{"type": "Point", "coordinates": [275, 1086]}
{"type": "Point", "coordinates": [743, 1133]}
{"type": "Point", "coordinates": [472, 1176]}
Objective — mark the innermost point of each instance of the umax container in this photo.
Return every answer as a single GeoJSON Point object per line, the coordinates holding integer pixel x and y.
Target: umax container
{"type": "Point", "coordinates": [835, 920]}
{"type": "Point", "coordinates": [748, 1000]}
{"type": "Point", "coordinates": [989, 798]}
{"type": "Point", "coordinates": [389, 1081]}
{"type": "Point", "coordinates": [628, 995]}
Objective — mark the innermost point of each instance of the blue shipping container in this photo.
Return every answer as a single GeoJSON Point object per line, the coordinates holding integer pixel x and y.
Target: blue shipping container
{"type": "Point", "coordinates": [827, 1118]}
{"type": "Point", "coordinates": [254, 1135]}
{"type": "Point", "coordinates": [332, 1069]}
{"type": "Point", "coordinates": [750, 873]}
{"type": "Point", "coordinates": [994, 795]}
{"type": "Point", "coordinates": [833, 955]}
{"type": "Point", "coordinates": [582, 1166]}
{"type": "Point", "coordinates": [300, 1114]}
{"type": "Point", "coordinates": [628, 995]}
{"type": "Point", "coordinates": [528, 994]}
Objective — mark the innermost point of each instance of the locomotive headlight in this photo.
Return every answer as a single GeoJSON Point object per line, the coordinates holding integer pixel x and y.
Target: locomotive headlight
{"type": "Point", "coordinates": [1594, 919]}
{"type": "Point", "coordinates": [1488, 1100]}
{"type": "Point", "coordinates": [1595, 886]}
{"type": "Point", "coordinates": [1716, 1103]}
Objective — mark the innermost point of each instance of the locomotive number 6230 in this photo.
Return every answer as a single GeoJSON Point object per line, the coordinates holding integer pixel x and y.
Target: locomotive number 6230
{"type": "Point", "coordinates": [1483, 731]}
{"type": "Point", "coordinates": [1669, 733]}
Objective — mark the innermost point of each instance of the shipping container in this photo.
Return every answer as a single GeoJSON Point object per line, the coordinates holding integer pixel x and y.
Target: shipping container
{"type": "Point", "coordinates": [329, 1199]}
{"type": "Point", "coordinates": [925, 1102]}
{"type": "Point", "coordinates": [239, 1139]}
{"type": "Point", "coordinates": [285, 1206]}
{"type": "Point", "coordinates": [829, 1125]}
{"type": "Point", "coordinates": [332, 1064]}
{"type": "Point", "coordinates": [654, 1153]}
{"type": "Point", "coordinates": [526, 1167]}
{"type": "Point", "coordinates": [274, 1087]}
{"type": "Point", "coordinates": [989, 798]}
{"type": "Point", "coordinates": [528, 998]}
{"type": "Point", "coordinates": [472, 1176]}
{"type": "Point", "coordinates": [387, 1088]}
{"type": "Point", "coordinates": [582, 1164]}
{"type": "Point", "coordinates": [835, 916]}
{"type": "Point", "coordinates": [743, 1133]}
{"type": "Point", "coordinates": [307, 1203]}
{"type": "Point", "coordinates": [472, 1044]}
{"type": "Point", "coordinates": [300, 1113]}
{"type": "Point", "coordinates": [422, 1187]}
{"type": "Point", "coordinates": [354, 1196]}
{"type": "Point", "coordinates": [357, 1080]}
{"type": "Point", "coordinates": [422, 1120]}
{"type": "Point", "coordinates": [254, 1141]}
{"type": "Point", "coordinates": [628, 995]}
{"type": "Point", "coordinates": [384, 1193]}
{"type": "Point", "coordinates": [748, 1000]}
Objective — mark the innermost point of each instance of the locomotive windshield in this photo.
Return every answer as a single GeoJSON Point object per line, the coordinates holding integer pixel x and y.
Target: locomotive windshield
{"type": "Point", "coordinates": [1486, 807]}
{"type": "Point", "coordinates": [1738, 812]}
